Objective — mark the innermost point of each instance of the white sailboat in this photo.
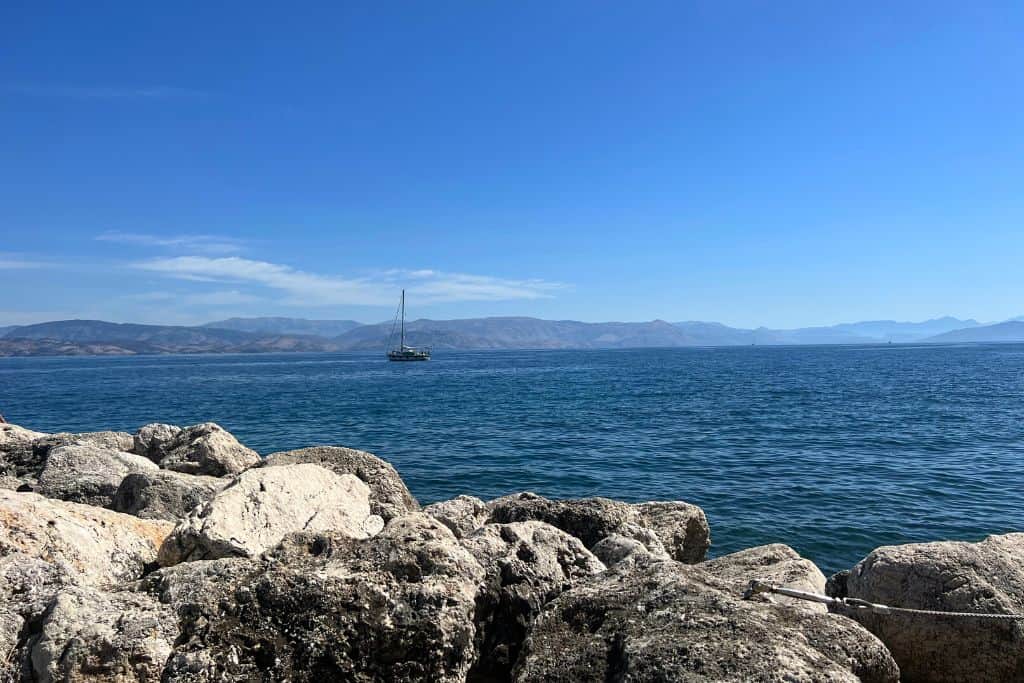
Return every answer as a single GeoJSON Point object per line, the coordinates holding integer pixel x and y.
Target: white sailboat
{"type": "Point", "coordinates": [403, 352]}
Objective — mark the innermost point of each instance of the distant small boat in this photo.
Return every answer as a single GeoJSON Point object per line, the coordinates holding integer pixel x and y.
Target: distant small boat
{"type": "Point", "coordinates": [403, 352]}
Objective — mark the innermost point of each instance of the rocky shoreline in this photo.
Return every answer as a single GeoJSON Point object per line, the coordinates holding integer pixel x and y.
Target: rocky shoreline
{"type": "Point", "coordinates": [179, 554]}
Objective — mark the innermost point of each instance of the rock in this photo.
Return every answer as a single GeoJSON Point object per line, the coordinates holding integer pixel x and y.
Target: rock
{"type": "Point", "coordinates": [155, 441]}
{"type": "Point", "coordinates": [683, 527]}
{"type": "Point", "coordinates": [90, 635]}
{"type": "Point", "coordinates": [201, 449]}
{"type": "Point", "coordinates": [667, 621]}
{"type": "Point", "coordinates": [462, 514]}
{"type": "Point", "coordinates": [257, 509]}
{"type": "Point", "coordinates": [527, 564]}
{"type": "Point", "coordinates": [327, 607]}
{"type": "Point", "coordinates": [87, 474]}
{"type": "Point", "coordinates": [835, 585]}
{"type": "Point", "coordinates": [113, 441]}
{"type": "Point", "coordinates": [19, 464]}
{"type": "Point", "coordinates": [164, 494]}
{"type": "Point", "coordinates": [615, 549]}
{"type": "Point", "coordinates": [28, 584]}
{"type": "Point", "coordinates": [389, 497]}
{"type": "Point", "coordinates": [11, 624]}
{"type": "Point", "coordinates": [775, 563]}
{"type": "Point", "coordinates": [986, 577]}
{"type": "Point", "coordinates": [86, 545]}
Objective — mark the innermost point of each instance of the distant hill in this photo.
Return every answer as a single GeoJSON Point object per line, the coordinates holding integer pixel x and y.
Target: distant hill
{"type": "Point", "coordinates": [319, 328]}
{"type": "Point", "coordinates": [1009, 331]}
{"type": "Point", "coordinates": [79, 337]}
{"type": "Point", "coordinates": [134, 338]}
{"type": "Point", "coordinates": [867, 332]}
{"type": "Point", "coordinates": [884, 330]}
{"type": "Point", "coordinates": [518, 333]}
{"type": "Point", "coordinates": [5, 330]}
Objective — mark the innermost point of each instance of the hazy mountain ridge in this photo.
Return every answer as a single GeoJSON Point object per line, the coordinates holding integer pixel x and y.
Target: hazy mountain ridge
{"type": "Point", "coordinates": [288, 326]}
{"type": "Point", "coordinates": [97, 337]}
{"type": "Point", "coordinates": [1009, 331]}
{"type": "Point", "coordinates": [131, 338]}
{"type": "Point", "coordinates": [865, 332]}
{"type": "Point", "coordinates": [518, 333]}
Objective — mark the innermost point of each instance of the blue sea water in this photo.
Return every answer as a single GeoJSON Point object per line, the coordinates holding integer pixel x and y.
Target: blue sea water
{"type": "Point", "coordinates": [833, 450]}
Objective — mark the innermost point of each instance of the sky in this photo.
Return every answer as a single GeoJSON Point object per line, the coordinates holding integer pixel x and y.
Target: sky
{"type": "Point", "coordinates": [755, 163]}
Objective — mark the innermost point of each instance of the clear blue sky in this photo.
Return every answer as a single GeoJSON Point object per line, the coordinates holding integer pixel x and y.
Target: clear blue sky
{"type": "Point", "coordinates": [770, 163]}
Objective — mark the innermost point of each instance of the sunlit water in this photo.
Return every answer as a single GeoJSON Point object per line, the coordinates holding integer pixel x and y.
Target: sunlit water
{"type": "Point", "coordinates": [833, 450]}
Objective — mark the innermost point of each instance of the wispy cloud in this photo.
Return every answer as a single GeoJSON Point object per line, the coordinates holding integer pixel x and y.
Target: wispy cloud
{"type": "Point", "coordinates": [311, 289]}
{"type": "Point", "coordinates": [210, 244]}
{"type": "Point", "coordinates": [16, 262]}
{"type": "Point", "coordinates": [151, 92]}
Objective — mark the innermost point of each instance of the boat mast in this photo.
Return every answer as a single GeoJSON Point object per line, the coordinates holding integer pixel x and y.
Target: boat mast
{"type": "Point", "coordinates": [403, 321]}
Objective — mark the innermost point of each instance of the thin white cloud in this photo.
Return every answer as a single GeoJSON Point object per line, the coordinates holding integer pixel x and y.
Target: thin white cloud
{"type": "Point", "coordinates": [231, 297]}
{"type": "Point", "coordinates": [210, 244]}
{"type": "Point", "coordinates": [151, 92]}
{"type": "Point", "coordinates": [311, 289]}
{"type": "Point", "coordinates": [16, 262]}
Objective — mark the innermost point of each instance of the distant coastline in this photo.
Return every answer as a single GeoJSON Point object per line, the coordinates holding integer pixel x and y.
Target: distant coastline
{"type": "Point", "coordinates": [277, 335]}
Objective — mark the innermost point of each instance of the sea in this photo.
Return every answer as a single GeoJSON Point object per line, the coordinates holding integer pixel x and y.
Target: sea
{"type": "Point", "coordinates": [834, 450]}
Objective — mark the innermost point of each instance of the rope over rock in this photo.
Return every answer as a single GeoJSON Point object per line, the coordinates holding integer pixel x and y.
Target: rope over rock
{"type": "Point", "coordinates": [757, 587]}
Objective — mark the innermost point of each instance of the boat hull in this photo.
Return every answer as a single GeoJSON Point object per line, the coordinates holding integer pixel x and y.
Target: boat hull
{"type": "Point", "coordinates": [405, 357]}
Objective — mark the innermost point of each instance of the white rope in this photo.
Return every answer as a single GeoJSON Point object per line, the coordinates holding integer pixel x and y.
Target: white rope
{"type": "Point", "coordinates": [856, 604]}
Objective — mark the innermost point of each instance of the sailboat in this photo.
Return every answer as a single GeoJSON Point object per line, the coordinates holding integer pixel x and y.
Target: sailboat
{"type": "Point", "coordinates": [403, 352]}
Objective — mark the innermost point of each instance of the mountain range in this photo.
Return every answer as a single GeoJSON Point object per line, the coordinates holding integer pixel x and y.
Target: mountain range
{"type": "Point", "coordinates": [253, 335]}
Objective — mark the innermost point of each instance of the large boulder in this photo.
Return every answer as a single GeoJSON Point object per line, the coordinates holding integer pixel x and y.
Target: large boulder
{"type": "Point", "coordinates": [113, 441]}
{"type": "Point", "coordinates": [681, 527]}
{"type": "Point", "coordinates": [47, 546]}
{"type": "Point", "coordinates": [261, 506]}
{"type": "Point", "coordinates": [325, 606]}
{"type": "Point", "coordinates": [86, 545]}
{"type": "Point", "coordinates": [389, 496]}
{"type": "Point", "coordinates": [667, 621]}
{"type": "Point", "coordinates": [155, 440]}
{"type": "Point", "coordinates": [462, 514]}
{"type": "Point", "coordinates": [527, 564]}
{"type": "Point", "coordinates": [19, 463]}
{"type": "Point", "coordinates": [677, 529]}
{"type": "Point", "coordinates": [775, 563]}
{"type": "Point", "coordinates": [984, 577]}
{"type": "Point", "coordinates": [201, 449]}
{"type": "Point", "coordinates": [164, 494]}
{"type": "Point", "coordinates": [88, 474]}
{"type": "Point", "coordinates": [92, 635]}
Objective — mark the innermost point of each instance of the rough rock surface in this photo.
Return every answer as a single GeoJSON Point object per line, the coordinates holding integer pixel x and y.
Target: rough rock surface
{"type": "Point", "coordinates": [615, 550]}
{"type": "Point", "coordinates": [164, 494]}
{"type": "Point", "coordinates": [201, 449]}
{"type": "Point", "coordinates": [462, 514]}
{"type": "Point", "coordinates": [324, 606]}
{"type": "Point", "coordinates": [11, 624]}
{"type": "Point", "coordinates": [19, 464]}
{"type": "Point", "coordinates": [90, 635]}
{"type": "Point", "coordinates": [775, 563]}
{"type": "Point", "coordinates": [950, 576]}
{"type": "Point", "coordinates": [114, 441]}
{"type": "Point", "coordinates": [389, 496]}
{"type": "Point", "coordinates": [527, 564]}
{"type": "Point", "coordinates": [261, 506]}
{"type": "Point", "coordinates": [155, 440]}
{"type": "Point", "coordinates": [683, 527]}
{"type": "Point", "coordinates": [87, 474]}
{"type": "Point", "coordinates": [666, 621]}
{"type": "Point", "coordinates": [85, 544]}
